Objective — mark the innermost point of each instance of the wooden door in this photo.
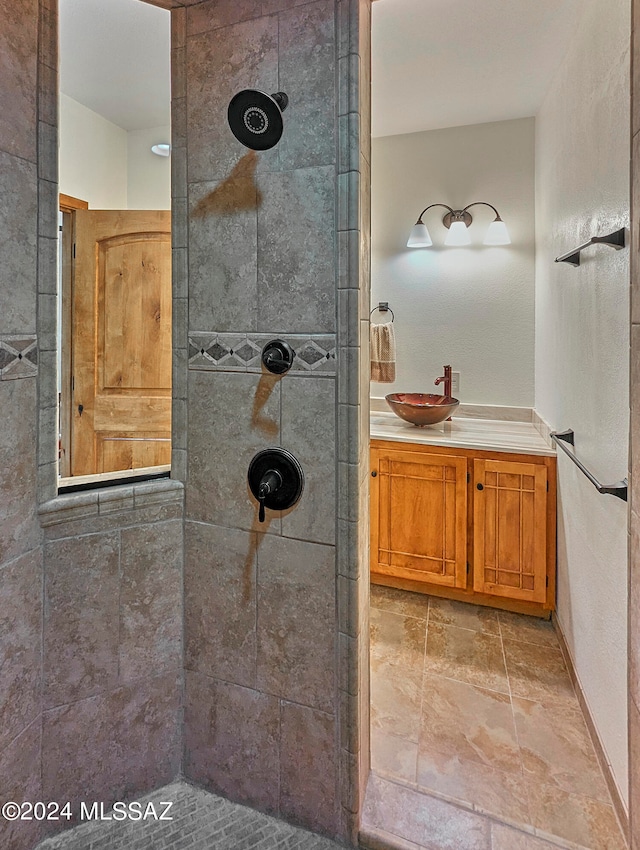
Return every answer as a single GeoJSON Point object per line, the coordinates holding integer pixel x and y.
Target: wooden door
{"type": "Point", "coordinates": [419, 516]}
{"type": "Point", "coordinates": [510, 529]}
{"type": "Point", "coordinates": [121, 341]}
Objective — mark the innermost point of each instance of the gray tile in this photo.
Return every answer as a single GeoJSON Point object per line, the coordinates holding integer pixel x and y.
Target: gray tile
{"type": "Point", "coordinates": [178, 28]}
{"type": "Point", "coordinates": [18, 244]}
{"type": "Point", "coordinates": [241, 56]}
{"type": "Point", "coordinates": [20, 781]}
{"type": "Point", "coordinates": [221, 352]}
{"type": "Point", "coordinates": [207, 16]}
{"type": "Point", "coordinates": [19, 51]}
{"type": "Point", "coordinates": [146, 741]}
{"type": "Point", "coordinates": [296, 621]}
{"type": "Point", "coordinates": [296, 264]}
{"type": "Point", "coordinates": [306, 74]}
{"type": "Point", "coordinates": [19, 530]}
{"type": "Point", "coordinates": [222, 256]}
{"type": "Point", "coordinates": [81, 617]}
{"type": "Point", "coordinates": [308, 769]}
{"type": "Point", "coordinates": [234, 352]}
{"type": "Point", "coordinates": [151, 600]}
{"type": "Point", "coordinates": [47, 152]}
{"type": "Point", "coordinates": [231, 417]}
{"type": "Point", "coordinates": [198, 820]}
{"type": "Point", "coordinates": [220, 603]}
{"type": "Point", "coordinates": [113, 746]}
{"type": "Point", "coordinates": [308, 430]}
{"type": "Point", "coordinates": [232, 741]}
{"type": "Point", "coordinates": [47, 94]}
{"type": "Point", "coordinates": [20, 644]}
{"type": "Point", "coordinates": [48, 208]}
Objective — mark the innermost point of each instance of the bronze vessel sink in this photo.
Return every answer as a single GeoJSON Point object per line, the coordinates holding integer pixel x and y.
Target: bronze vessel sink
{"type": "Point", "coordinates": [422, 408]}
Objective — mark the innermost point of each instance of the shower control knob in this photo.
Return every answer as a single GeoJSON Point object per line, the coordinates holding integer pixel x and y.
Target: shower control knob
{"type": "Point", "coordinates": [276, 480]}
{"type": "Point", "coordinates": [278, 356]}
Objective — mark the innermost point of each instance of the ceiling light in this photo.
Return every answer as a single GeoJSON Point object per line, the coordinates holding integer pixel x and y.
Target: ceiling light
{"type": "Point", "coordinates": [161, 149]}
{"type": "Point", "coordinates": [457, 222]}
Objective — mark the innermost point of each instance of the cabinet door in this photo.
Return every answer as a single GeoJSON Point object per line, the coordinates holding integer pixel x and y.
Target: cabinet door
{"type": "Point", "coordinates": [419, 517]}
{"type": "Point", "coordinates": [510, 529]}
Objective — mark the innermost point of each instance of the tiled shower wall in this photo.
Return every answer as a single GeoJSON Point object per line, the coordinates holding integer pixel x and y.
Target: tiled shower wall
{"type": "Point", "coordinates": [20, 536]}
{"type": "Point", "coordinates": [92, 583]}
{"type": "Point", "coordinates": [272, 611]}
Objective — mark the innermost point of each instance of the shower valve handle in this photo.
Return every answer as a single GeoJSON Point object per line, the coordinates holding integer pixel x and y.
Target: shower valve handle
{"type": "Point", "coordinates": [269, 485]}
{"type": "Point", "coordinates": [278, 356]}
{"type": "Point", "coordinates": [276, 480]}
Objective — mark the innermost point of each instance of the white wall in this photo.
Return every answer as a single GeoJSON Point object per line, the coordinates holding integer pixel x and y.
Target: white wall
{"type": "Point", "coordinates": [470, 307]}
{"type": "Point", "coordinates": [582, 355]}
{"type": "Point", "coordinates": [93, 157]}
{"type": "Point", "coordinates": [109, 167]}
{"type": "Point", "coordinates": [148, 175]}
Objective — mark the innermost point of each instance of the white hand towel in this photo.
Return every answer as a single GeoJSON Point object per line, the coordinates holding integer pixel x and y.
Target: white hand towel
{"type": "Point", "coordinates": [383, 353]}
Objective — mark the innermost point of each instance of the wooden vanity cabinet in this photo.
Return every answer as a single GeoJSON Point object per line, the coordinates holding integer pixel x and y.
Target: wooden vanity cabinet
{"type": "Point", "coordinates": [470, 525]}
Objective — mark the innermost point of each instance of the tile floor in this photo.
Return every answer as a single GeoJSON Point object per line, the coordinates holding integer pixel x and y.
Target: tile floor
{"type": "Point", "coordinates": [201, 821]}
{"type": "Point", "coordinates": [476, 707]}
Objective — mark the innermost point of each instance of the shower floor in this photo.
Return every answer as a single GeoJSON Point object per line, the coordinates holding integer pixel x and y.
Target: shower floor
{"type": "Point", "coordinates": [201, 821]}
{"type": "Point", "coordinates": [474, 720]}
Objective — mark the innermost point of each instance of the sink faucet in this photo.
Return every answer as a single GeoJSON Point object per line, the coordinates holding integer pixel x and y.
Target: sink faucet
{"type": "Point", "coordinates": [447, 381]}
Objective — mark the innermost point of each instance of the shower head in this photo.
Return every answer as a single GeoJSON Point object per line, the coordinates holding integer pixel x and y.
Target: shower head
{"type": "Point", "coordinates": [255, 118]}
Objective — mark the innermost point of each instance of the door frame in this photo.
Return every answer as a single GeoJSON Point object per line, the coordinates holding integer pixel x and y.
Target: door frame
{"type": "Point", "coordinates": [68, 206]}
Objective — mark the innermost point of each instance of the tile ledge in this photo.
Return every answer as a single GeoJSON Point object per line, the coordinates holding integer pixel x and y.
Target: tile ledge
{"type": "Point", "coordinates": [395, 842]}
{"type": "Point", "coordinates": [67, 507]}
{"type": "Point", "coordinates": [370, 838]}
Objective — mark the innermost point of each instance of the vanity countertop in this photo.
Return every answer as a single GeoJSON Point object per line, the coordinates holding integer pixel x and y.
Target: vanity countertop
{"type": "Point", "coordinates": [494, 435]}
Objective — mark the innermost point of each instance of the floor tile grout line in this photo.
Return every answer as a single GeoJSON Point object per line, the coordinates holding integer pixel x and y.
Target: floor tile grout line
{"type": "Point", "coordinates": [525, 783]}
{"type": "Point", "coordinates": [422, 687]}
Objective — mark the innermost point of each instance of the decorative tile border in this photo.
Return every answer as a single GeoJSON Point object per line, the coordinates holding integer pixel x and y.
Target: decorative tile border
{"type": "Point", "coordinates": [227, 352]}
{"type": "Point", "coordinates": [18, 357]}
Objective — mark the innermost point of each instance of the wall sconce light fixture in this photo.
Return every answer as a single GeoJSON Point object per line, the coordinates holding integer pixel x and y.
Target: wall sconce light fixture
{"type": "Point", "coordinates": [457, 222]}
{"type": "Point", "coordinates": [161, 149]}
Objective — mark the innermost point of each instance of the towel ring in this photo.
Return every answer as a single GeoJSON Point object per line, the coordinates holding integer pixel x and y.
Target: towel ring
{"type": "Point", "coordinates": [383, 306]}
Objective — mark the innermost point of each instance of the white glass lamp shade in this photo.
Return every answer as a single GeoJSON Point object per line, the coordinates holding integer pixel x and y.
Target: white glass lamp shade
{"type": "Point", "coordinates": [458, 234]}
{"type": "Point", "coordinates": [419, 236]}
{"type": "Point", "coordinates": [161, 149]}
{"type": "Point", "coordinates": [497, 234]}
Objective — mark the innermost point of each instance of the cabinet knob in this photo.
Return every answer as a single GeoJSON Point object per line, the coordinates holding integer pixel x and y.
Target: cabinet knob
{"type": "Point", "coordinates": [480, 486]}
{"type": "Point", "coordinates": [373, 474]}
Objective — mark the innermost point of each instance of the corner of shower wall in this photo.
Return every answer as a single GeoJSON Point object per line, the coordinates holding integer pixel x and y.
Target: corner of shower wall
{"type": "Point", "coordinates": [278, 247]}
{"type": "Point", "coordinates": [110, 590]}
{"type": "Point", "coordinates": [26, 131]}
{"type": "Point", "coordinates": [354, 248]}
